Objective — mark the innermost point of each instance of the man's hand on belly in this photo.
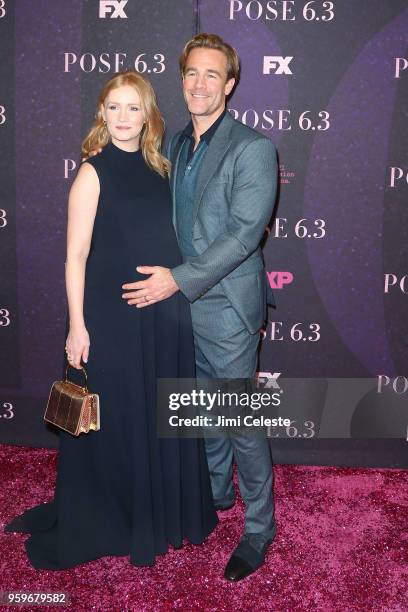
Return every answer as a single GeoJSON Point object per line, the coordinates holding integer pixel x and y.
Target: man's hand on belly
{"type": "Point", "coordinates": [159, 286]}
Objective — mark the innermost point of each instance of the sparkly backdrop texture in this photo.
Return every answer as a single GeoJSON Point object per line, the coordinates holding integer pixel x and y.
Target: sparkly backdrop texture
{"type": "Point", "coordinates": [327, 82]}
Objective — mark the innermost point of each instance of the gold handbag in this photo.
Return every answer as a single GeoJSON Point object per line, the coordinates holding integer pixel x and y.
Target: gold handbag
{"type": "Point", "coordinates": [72, 407]}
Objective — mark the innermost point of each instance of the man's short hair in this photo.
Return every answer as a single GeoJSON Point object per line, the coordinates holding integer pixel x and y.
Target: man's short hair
{"type": "Point", "coordinates": [212, 41]}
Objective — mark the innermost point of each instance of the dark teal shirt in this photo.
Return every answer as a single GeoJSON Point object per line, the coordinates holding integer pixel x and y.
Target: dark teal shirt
{"type": "Point", "coordinates": [185, 195]}
{"type": "Point", "coordinates": [186, 182]}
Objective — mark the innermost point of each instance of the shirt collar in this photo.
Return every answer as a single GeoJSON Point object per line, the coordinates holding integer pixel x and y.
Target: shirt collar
{"type": "Point", "coordinates": [208, 134]}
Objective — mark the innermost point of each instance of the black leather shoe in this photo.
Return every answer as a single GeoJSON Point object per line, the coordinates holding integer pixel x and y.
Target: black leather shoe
{"type": "Point", "coordinates": [237, 569]}
{"type": "Point", "coordinates": [248, 556]}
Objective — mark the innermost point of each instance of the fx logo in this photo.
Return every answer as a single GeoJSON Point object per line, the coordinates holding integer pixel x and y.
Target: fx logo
{"type": "Point", "coordinates": [276, 64]}
{"type": "Point", "coordinates": [116, 7]}
{"type": "Point", "coordinates": [267, 380]}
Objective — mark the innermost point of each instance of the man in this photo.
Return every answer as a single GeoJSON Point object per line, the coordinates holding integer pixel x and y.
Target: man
{"type": "Point", "coordinates": [224, 178]}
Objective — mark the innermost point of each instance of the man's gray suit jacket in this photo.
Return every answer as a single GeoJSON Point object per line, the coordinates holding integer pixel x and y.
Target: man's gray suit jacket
{"type": "Point", "coordinates": [235, 195]}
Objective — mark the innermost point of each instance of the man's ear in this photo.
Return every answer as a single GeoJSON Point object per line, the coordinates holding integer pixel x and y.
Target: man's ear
{"type": "Point", "coordinates": [229, 86]}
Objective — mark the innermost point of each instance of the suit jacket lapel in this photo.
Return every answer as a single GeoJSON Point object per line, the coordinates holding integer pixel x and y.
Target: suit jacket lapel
{"type": "Point", "coordinates": [217, 148]}
{"type": "Point", "coordinates": [175, 158]}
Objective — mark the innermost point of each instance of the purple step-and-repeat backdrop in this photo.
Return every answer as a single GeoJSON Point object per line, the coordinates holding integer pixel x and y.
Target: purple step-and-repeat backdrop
{"type": "Point", "coordinates": [328, 83]}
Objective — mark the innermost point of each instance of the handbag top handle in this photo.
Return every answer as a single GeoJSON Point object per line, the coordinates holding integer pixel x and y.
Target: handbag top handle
{"type": "Point", "coordinates": [84, 371]}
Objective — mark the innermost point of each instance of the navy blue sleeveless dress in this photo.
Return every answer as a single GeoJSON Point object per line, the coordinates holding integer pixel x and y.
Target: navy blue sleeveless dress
{"type": "Point", "coordinates": [122, 490]}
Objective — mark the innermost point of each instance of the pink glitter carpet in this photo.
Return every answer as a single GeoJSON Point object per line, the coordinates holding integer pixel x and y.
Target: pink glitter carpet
{"type": "Point", "coordinates": [342, 545]}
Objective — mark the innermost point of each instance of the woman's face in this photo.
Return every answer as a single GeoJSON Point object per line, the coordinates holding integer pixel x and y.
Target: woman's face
{"type": "Point", "coordinates": [124, 117]}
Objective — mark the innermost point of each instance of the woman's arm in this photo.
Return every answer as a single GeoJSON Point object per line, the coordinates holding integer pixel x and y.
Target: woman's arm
{"type": "Point", "coordinates": [82, 205]}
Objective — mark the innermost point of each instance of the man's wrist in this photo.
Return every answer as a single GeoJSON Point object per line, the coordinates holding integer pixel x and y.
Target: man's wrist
{"type": "Point", "coordinates": [174, 280]}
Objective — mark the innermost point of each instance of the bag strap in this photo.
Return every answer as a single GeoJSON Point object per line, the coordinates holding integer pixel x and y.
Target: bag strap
{"type": "Point", "coordinates": [84, 371]}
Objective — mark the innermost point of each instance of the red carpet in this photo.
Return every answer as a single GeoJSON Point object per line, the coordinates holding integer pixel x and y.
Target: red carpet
{"type": "Point", "coordinates": [342, 545]}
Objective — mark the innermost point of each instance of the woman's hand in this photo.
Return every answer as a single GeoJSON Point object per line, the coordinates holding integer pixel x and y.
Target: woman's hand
{"type": "Point", "coordinates": [77, 347]}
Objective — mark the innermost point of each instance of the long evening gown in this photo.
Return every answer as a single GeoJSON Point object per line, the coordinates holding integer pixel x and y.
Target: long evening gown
{"type": "Point", "coordinates": [122, 490]}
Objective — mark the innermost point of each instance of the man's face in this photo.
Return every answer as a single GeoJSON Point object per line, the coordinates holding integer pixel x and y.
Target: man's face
{"type": "Point", "coordinates": [205, 82]}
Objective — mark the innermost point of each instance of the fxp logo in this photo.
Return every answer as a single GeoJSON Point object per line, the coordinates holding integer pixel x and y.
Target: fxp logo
{"type": "Point", "coordinates": [277, 280]}
{"type": "Point", "coordinates": [112, 9]}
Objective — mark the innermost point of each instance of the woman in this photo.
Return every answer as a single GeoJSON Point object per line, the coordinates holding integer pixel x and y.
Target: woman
{"type": "Point", "coordinates": [121, 490]}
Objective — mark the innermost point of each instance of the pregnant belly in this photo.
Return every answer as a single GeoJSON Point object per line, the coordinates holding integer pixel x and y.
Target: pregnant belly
{"type": "Point", "coordinates": [119, 265]}
{"type": "Point", "coordinates": [135, 245]}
